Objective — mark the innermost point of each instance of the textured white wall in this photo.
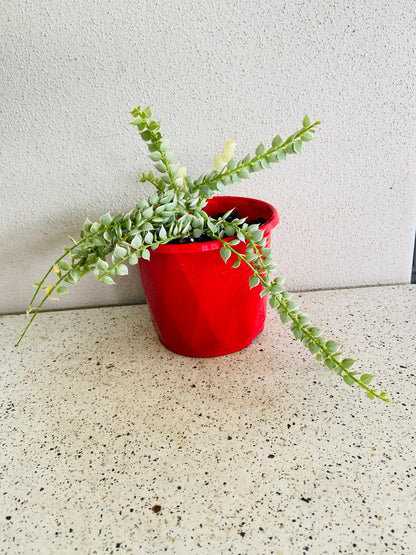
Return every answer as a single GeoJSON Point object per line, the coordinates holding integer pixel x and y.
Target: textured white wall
{"type": "Point", "coordinates": [212, 69]}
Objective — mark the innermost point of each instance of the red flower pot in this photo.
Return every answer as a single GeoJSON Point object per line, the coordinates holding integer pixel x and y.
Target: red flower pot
{"type": "Point", "coordinates": [201, 307]}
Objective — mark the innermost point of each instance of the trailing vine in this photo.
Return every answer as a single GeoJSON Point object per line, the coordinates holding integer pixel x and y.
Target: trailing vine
{"type": "Point", "coordinates": [176, 210]}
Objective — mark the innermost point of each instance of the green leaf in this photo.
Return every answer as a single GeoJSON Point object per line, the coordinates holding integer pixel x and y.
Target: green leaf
{"type": "Point", "coordinates": [329, 363]}
{"type": "Point", "coordinates": [155, 156]}
{"type": "Point", "coordinates": [98, 241]}
{"type": "Point", "coordinates": [290, 149]}
{"type": "Point", "coordinates": [250, 256]}
{"type": "Point", "coordinates": [148, 212]}
{"type": "Point", "coordinates": [303, 319]}
{"type": "Point", "coordinates": [147, 112]}
{"type": "Point", "coordinates": [276, 287]}
{"type": "Point", "coordinates": [348, 380]}
{"type": "Point", "coordinates": [257, 235]}
{"type": "Point", "coordinates": [348, 362]}
{"type": "Point", "coordinates": [370, 395]}
{"type": "Point", "coordinates": [136, 121]}
{"type": "Point", "coordinates": [366, 379]}
{"type": "Point", "coordinates": [307, 136]}
{"type": "Point", "coordinates": [281, 154]}
{"type": "Point", "coordinates": [253, 281]}
{"type": "Point", "coordinates": [95, 227]}
{"type": "Point", "coordinates": [62, 290]}
{"type": "Point", "coordinates": [64, 265]}
{"type": "Point", "coordinates": [170, 157]}
{"type": "Point", "coordinates": [164, 145]}
{"type": "Point", "coordinates": [75, 274]}
{"type": "Point", "coordinates": [273, 302]}
{"type": "Point", "coordinates": [284, 318]}
{"type": "Point", "coordinates": [297, 333]}
{"type": "Point", "coordinates": [306, 121]}
{"type": "Point", "coordinates": [120, 252]}
{"type": "Point", "coordinates": [137, 241]}
{"type": "Point", "coordinates": [261, 149]}
{"type": "Point", "coordinates": [313, 347]}
{"type": "Point", "coordinates": [196, 232]}
{"type": "Point", "coordinates": [160, 167]}
{"type": "Point", "coordinates": [315, 332]}
{"type": "Point", "coordinates": [106, 219]}
{"type": "Point", "coordinates": [243, 173]}
{"type": "Point", "coordinates": [145, 254]}
{"type": "Point", "coordinates": [87, 225]}
{"type": "Point", "coordinates": [297, 146]}
{"type": "Point", "coordinates": [232, 164]}
{"type": "Point", "coordinates": [134, 258]}
{"type": "Point", "coordinates": [148, 238]}
{"type": "Point", "coordinates": [225, 254]}
{"type": "Point", "coordinates": [211, 226]}
{"type": "Point", "coordinates": [146, 135]}
{"type": "Point", "coordinates": [102, 265]}
{"type": "Point", "coordinates": [332, 346]}
{"type": "Point", "coordinates": [277, 141]}
{"type": "Point", "coordinates": [107, 280]}
{"type": "Point", "coordinates": [162, 233]}
{"type": "Point", "coordinates": [154, 126]}
{"type": "Point", "coordinates": [237, 263]}
{"type": "Point", "coordinates": [122, 270]}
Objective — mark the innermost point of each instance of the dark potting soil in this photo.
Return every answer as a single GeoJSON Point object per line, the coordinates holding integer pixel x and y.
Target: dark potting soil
{"type": "Point", "coordinates": [204, 237]}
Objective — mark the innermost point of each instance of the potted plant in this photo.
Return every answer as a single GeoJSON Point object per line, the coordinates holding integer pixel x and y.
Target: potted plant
{"type": "Point", "coordinates": [205, 260]}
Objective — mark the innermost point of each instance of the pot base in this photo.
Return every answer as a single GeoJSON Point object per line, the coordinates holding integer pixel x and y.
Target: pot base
{"type": "Point", "coordinates": [212, 353]}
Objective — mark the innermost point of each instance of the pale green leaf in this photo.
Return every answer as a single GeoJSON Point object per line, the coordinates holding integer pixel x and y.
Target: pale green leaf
{"type": "Point", "coordinates": [306, 121]}
{"type": "Point", "coordinates": [136, 242]}
{"type": "Point", "coordinates": [120, 252]}
{"type": "Point", "coordinates": [332, 346]}
{"type": "Point", "coordinates": [155, 156]}
{"type": "Point", "coordinates": [106, 219]}
{"type": "Point", "coordinates": [145, 254]}
{"type": "Point", "coordinates": [102, 265]}
{"type": "Point", "coordinates": [307, 136]}
{"type": "Point", "coordinates": [277, 141]}
{"type": "Point", "coordinates": [261, 149]}
{"type": "Point", "coordinates": [225, 254]}
{"type": "Point", "coordinates": [107, 280]}
{"type": "Point", "coordinates": [64, 265]}
{"type": "Point", "coordinates": [348, 362]}
{"type": "Point", "coordinates": [366, 379]}
{"type": "Point", "coordinates": [253, 281]}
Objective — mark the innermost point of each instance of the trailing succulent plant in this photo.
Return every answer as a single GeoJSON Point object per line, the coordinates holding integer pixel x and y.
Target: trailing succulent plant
{"type": "Point", "coordinates": [176, 211]}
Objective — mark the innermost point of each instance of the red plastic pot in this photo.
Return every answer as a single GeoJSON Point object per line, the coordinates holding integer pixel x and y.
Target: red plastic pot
{"type": "Point", "coordinates": [201, 307]}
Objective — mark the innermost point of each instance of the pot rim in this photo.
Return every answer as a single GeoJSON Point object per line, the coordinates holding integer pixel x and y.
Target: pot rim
{"type": "Point", "coordinates": [185, 248]}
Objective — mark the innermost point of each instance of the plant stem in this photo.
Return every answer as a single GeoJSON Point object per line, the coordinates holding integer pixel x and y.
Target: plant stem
{"type": "Point", "coordinates": [39, 307]}
{"type": "Point", "coordinates": [258, 158]}
{"type": "Point", "coordinates": [293, 317]}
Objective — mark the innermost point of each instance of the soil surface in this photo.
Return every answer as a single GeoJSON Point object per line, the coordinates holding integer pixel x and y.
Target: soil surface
{"type": "Point", "coordinates": [204, 237]}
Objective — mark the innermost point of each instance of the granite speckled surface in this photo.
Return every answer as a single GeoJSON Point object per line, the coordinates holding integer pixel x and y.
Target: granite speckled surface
{"type": "Point", "coordinates": [112, 444]}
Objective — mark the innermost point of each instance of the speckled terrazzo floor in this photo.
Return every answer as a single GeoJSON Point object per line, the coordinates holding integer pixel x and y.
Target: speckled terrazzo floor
{"type": "Point", "coordinates": [112, 444]}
